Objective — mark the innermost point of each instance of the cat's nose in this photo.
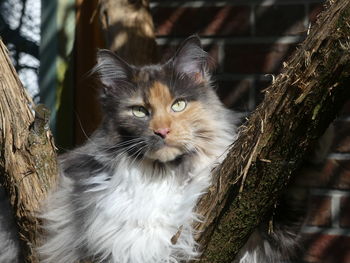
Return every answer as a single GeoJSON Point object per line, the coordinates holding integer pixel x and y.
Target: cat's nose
{"type": "Point", "coordinates": [162, 132]}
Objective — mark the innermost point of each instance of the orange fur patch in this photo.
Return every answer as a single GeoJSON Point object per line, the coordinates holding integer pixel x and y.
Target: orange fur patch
{"type": "Point", "coordinates": [160, 100]}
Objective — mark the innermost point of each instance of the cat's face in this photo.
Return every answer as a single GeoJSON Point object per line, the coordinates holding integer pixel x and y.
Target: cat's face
{"type": "Point", "coordinates": [159, 112]}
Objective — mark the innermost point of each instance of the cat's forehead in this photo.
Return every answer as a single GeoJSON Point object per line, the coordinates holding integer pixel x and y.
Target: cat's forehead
{"type": "Point", "coordinates": [153, 87]}
{"type": "Point", "coordinates": [157, 84]}
{"type": "Point", "coordinates": [148, 74]}
{"type": "Point", "coordinates": [154, 93]}
{"type": "Point", "coordinates": [159, 93]}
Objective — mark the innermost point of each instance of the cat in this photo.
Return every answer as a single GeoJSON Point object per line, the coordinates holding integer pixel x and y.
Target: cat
{"type": "Point", "coordinates": [132, 188]}
{"type": "Point", "coordinates": [128, 194]}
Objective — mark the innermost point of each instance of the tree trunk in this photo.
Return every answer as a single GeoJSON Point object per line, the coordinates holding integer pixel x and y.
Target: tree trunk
{"type": "Point", "coordinates": [297, 109]}
{"type": "Point", "coordinates": [128, 29]}
{"type": "Point", "coordinates": [27, 158]}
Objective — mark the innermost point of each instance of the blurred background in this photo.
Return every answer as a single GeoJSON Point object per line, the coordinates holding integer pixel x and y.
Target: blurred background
{"type": "Point", "coordinates": [53, 45]}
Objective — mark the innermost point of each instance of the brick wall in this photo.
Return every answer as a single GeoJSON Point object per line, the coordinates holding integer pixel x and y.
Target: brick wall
{"type": "Point", "coordinates": [249, 40]}
{"type": "Point", "coordinates": [327, 230]}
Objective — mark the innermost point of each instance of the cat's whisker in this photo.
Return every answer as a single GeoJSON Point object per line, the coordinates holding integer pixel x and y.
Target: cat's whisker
{"type": "Point", "coordinates": [203, 136]}
{"type": "Point", "coordinates": [142, 158]}
{"type": "Point", "coordinates": [104, 154]}
{"type": "Point", "coordinates": [189, 149]}
{"type": "Point", "coordinates": [192, 148]}
{"type": "Point", "coordinates": [125, 151]}
{"type": "Point", "coordinates": [123, 146]}
{"type": "Point", "coordinates": [123, 143]}
{"type": "Point", "coordinates": [137, 155]}
{"type": "Point", "coordinates": [87, 154]}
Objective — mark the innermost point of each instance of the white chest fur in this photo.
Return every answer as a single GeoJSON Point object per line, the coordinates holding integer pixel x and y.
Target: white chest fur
{"type": "Point", "coordinates": [134, 218]}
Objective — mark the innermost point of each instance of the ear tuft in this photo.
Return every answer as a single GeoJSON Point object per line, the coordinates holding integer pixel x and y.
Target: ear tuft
{"type": "Point", "coordinates": [110, 68]}
{"type": "Point", "coordinates": [190, 59]}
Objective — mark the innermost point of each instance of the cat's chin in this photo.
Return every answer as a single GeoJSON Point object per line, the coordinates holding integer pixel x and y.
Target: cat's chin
{"type": "Point", "coordinates": [164, 154]}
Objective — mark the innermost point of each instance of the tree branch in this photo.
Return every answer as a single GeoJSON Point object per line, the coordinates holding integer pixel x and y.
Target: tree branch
{"type": "Point", "coordinates": [296, 110]}
{"type": "Point", "coordinates": [27, 156]}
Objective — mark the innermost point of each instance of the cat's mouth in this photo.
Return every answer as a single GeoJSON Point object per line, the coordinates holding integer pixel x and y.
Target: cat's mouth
{"type": "Point", "coordinates": [165, 153]}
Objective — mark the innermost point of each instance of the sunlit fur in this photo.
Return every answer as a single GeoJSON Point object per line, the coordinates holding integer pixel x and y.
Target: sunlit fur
{"type": "Point", "coordinates": [124, 194]}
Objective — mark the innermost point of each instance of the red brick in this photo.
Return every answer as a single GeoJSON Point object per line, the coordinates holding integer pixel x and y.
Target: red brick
{"type": "Point", "coordinates": [340, 175]}
{"type": "Point", "coordinates": [333, 174]}
{"type": "Point", "coordinates": [344, 217]}
{"type": "Point", "coordinates": [280, 20]}
{"type": "Point", "coordinates": [205, 21]}
{"type": "Point", "coordinates": [314, 11]}
{"type": "Point", "coordinates": [256, 58]}
{"type": "Point", "coordinates": [341, 143]}
{"type": "Point", "coordinates": [319, 212]}
{"type": "Point", "coordinates": [322, 248]}
{"type": "Point", "coordinates": [235, 94]}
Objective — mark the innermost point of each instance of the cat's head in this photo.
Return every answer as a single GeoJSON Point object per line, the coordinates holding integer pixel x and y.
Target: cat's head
{"type": "Point", "coordinates": [159, 112]}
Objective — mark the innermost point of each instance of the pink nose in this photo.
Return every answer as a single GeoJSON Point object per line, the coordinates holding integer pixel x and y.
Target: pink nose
{"type": "Point", "coordinates": [162, 132]}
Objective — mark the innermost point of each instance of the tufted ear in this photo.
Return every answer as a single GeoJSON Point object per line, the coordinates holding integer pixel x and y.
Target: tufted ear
{"type": "Point", "coordinates": [110, 68]}
{"type": "Point", "coordinates": [190, 59]}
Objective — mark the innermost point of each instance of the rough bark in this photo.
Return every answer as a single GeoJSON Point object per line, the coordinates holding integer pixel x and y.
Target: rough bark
{"type": "Point", "coordinates": [297, 109]}
{"type": "Point", "coordinates": [27, 155]}
{"type": "Point", "coordinates": [128, 29]}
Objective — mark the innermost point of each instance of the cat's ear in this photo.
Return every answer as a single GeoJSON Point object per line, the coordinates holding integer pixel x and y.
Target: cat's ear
{"type": "Point", "coordinates": [110, 68]}
{"type": "Point", "coordinates": [190, 59]}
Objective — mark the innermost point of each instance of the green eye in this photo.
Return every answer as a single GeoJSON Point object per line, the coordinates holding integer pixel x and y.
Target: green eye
{"type": "Point", "coordinates": [139, 111]}
{"type": "Point", "coordinates": [179, 105]}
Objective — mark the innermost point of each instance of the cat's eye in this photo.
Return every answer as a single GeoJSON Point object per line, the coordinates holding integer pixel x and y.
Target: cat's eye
{"type": "Point", "coordinates": [139, 111]}
{"type": "Point", "coordinates": [179, 105]}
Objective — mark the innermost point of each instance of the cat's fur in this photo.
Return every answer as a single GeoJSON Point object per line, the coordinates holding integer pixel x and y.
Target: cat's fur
{"type": "Point", "coordinates": [9, 241]}
{"type": "Point", "coordinates": [128, 191]}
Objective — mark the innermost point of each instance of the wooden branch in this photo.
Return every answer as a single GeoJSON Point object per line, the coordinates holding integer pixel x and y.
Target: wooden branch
{"type": "Point", "coordinates": [27, 158]}
{"type": "Point", "coordinates": [129, 30]}
{"type": "Point", "coordinates": [297, 109]}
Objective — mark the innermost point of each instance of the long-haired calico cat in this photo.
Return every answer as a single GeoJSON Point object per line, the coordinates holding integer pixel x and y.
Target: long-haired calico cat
{"type": "Point", "coordinates": [126, 192]}
{"type": "Point", "coordinates": [133, 186]}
